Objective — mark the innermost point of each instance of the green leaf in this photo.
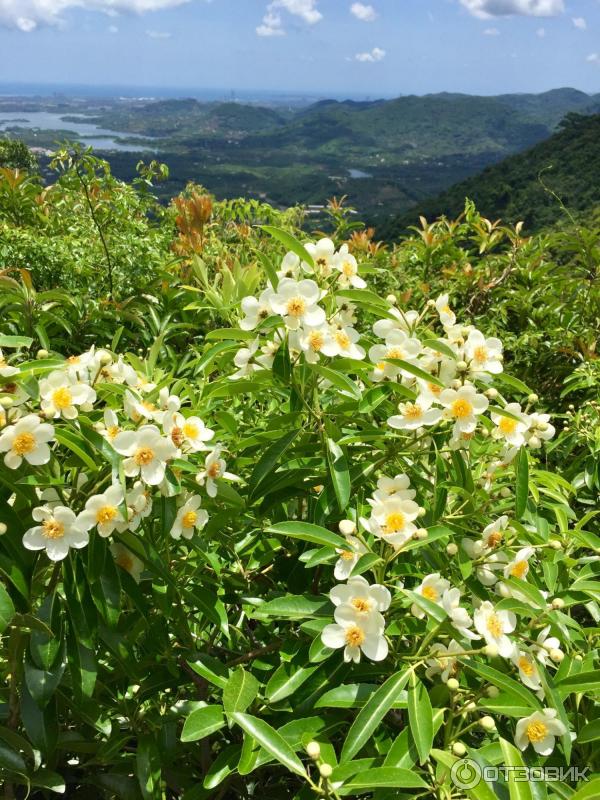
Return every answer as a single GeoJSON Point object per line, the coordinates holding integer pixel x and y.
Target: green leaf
{"type": "Point", "coordinates": [270, 740]}
{"type": "Point", "coordinates": [371, 715]}
{"type": "Point", "coordinates": [582, 682]}
{"type": "Point", "coordinates": [518, 789]}
{"type": "Point", "coordinates": [148, 767]}
{"type": "Point", "coordinates": [553, 698]}
{"type": "Point", "coordinates": [240, 691]}
{"type": "Point", "coordinates": [589, 791]}
{"type": "Point", "coordinates": [202, 722]}
{"type": "Point", "coordinates": [294, 606]}
{"type": "Point", "coordinates": [383, 778]}
{"type": "Point", "coordinates": [589, 732]}
{"type": "Point", "coordinates": [340, 476]}
{"type": "Point", "coordinates": [522, 482]}
{"type": "Point", "coordinates": [267, 463]}
{"type": "Point", "coordinates": [481, 790]}
{"type": "Point", "coordinates": [416, 371]}
{"type": "Point", "coordinates": [7, 609]}
{"type": "Point", "coordinates": [308, 532]}
{"type": "Point", "coordinates": [290, 243]}
{"type": "Point", "coordinates": [15, 341]}
{"type": "Point", "coordinates": [77, 445]}
{"type": "Point", "coordinates": [420, 715]}
{"type": "Point", "coordinates": [46, 779]}
{"type": "Point", "coordinates": [342, 382]}
{"type": "Point", "coordinates": [286, 680]}
{"type": "Point", "coordinates": [502, 681]}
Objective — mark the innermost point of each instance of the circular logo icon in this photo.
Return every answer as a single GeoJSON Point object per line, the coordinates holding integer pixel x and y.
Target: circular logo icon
{"type": "Point", "coordinates": [465, 773]}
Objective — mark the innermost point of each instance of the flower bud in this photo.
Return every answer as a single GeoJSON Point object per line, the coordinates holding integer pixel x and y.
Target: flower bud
{"type": "Point", "coordinates": [470, 707]}
{"type": "Point", "coordinates": [420, 533]}
{"type": "Point", "coordinates": [346, 527]}
{"type": "Point", "coordinates": [462, 366]}
{"type": "Point", "coordinates": [459, 749]}
{"type": "Point", "coordinates": [452, 549]}
{"type": "Point", "coordinates": [491, 650]}
{"type": "Point", "coordinates": [456, 384]}
{"type": "Point", "coordinates": [571, 407]}
{"type": "Point", "coordinates": [532, 398]}
{"type": "Point", "coordinates": [313, 750]}
{"type": "Point", "coordinates": [492, 393]}
{"type": "Point", "coordinates": [503, 590]}
{"type": "Point", "coordinates": [6, 402]}
{"type": "Point", "coordinates": [106, 359]}
{"type": "Point", "coordinates": [452, 684]}
{"type": "Point", "coordinates": [505, 492]}
{"type": "Point", "coordinates": [431, 303]}
{"type": "Point", "coordinates": [578, 657]}
{"type": "Point", "coordinates": [557, 655]}
{"type": "Point", "coordinates": [3, 528]}
{"type": "Point", "coordinates": [555, 544]}
{"type": "Point", "coordinates": [392, 299]}
{"type": "Point", "coordinates": [42, 354]}
{"type": "Point", "coordinates": [534, 442]}
{"type": "Point", "coordinates": [488, 723]}
{"type": "Point", "coordinates": [542, 426]}
{"type": "Point", "coordinates": [558, 603]}
{"type": "Point", "coordinates": [326, 770]}
{"type": "Point", "coordinates": [492, 691]}
{"type": "Point", "coordinates": [421, 512]}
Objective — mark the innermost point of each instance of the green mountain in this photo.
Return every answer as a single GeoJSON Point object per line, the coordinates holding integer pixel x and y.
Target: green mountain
{"type": "Point", "coordinates": [526, 186]}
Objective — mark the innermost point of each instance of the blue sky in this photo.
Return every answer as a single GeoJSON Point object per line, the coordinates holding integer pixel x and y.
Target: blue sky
{"type": "Point", "coordinates": [376, 48]}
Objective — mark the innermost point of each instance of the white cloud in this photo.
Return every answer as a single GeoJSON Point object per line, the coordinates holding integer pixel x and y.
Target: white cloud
{"type": "Point", "coordinates": [113, 29]}
{"type": "Point", "coordinates": [158, 34]}
{"type": "Point", "coordinates": [593, 58]}
{"type": "Point", "coordinates": [27, 15]}
{"type": "Point", "coordinates": [272, 23]}
{"type": "Point", "coordinates": [541, 32]}
{"type": "Point", "coordinates": [580, 23]}
{"type": "Point", "coordinates": [363, 12]}
{"type": "Point", "coordinates": [376, 54]}
{"type": "Point", "coordinates": [491, 32]}
{"type": "Point", "coordinates": [485, 9]}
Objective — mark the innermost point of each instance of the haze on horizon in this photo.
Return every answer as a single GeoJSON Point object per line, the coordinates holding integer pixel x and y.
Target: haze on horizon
{"type": "Point", "coordinates": [323, 48]}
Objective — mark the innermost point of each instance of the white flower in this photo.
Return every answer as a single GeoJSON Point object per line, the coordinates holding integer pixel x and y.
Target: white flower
{"type": "Point", "coordinates": [447, 316]}
{"type": "Point", "coordinates": [539, 729]}
{"type": "Point", "coordinates": [349, 558]}
{"type": "Point", "coordinates": [290, 266]}
{"type": "Point", "coordinates": [540, 430]}
{"type": "Point", "coordinates": [346, 313]}
{"type": "Point", "coordinates": [443, 662]}
{"type": "Point", "coordinates": [316, 341]}
{"type": "Point", "coordinates": [519, 566]}
{"type": "Point", "coordinates": [138, 409]}
{"type": "Point", "coordinates": [27, 439]}
{"type": "Point", "coordinates": [392, 521]}
{"type": "Point", "coordinates": [483, 355]}
{"type": "Point", "coordinates": [147, 453]}
{"type": "Point", "coordinates": [545, 644]}
{"type": "Point", "coordinates": [256, 310]}
{"type": "Point", "coordinates": [60, 393]}
{"type": "Point", "coordinates": [360, 601]}
{"type": "Point", "coordinates": [415, 415]}
{"type": "Point", "coordinates": [59, 530]}
{"type": "Point", "coordinates": [344, 340]}
{"type": "Point", "coordinates": [296, 302]}
{"type": "Point", "coordinates": [347, 266]}
{"type": "Point", "coordinates": [511, 430]}
{"type": "Point", "coordinates": [399, 321]}
{"type": "Point", "coordinates": [486, 572]}
{"type": "Point", "coordinates": [139, 506]}
{"type": "Point", "coordinates": [6, 371]}
{"type": "Point", "coordinates": [214, 468]}
{"type": "Point", "coordinates": [432, 588]}
{"type": "Point", "coordinates": [491, 538]}
{"type": "Point", "coordinates": [367, 637]}
{"type": "Point", "coordinates": [458, 616]}
{"type": "Point", "coordinates": [397, 487]}
{"type": "Point", "coordinates": [463, 406]}
{"type": "Point", "coordinates": [110, 426]}
{"type": "Point", "coordinates": [190, 518]}
{"type": "Point", "coordinates": [189, 434]}
{"type": "Point", "coordinates": [323, 256]}
{"type": "Point", "coordinates": [127, 560]}
{"type": "Point", "coordinates": [102, 511]}
{"type": "Point", "coordinates": [398, 346]}
{"type": "Point", "coordinates": [245, 362]}
{"type": "Point", "coordinates": [494, 626]}
{"type": "Point", "coordinates": [119, 372]}
{"type": "Point", "coordinates": [528, 671]}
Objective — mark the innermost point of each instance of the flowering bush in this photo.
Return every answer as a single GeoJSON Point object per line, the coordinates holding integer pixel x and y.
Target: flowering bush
{"type": "Point", "coordinates": [388, 579]}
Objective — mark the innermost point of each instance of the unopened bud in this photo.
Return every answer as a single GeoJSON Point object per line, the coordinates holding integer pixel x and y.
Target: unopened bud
{"type": "Point", "coordinates": [106, 359]}
{"type": "Point", "coordinates": [558, 603]}
{"type": "Point", "coordinates": [456, 384]}
{"type": "Point", "coordinates": [452, 549]}
{"type": "Point", "coordinates": [555, 544]}
{"type": "Point", "coordinates": [534, 442]}
{"type": "Point", "coordinates": [431, 303]}
{"type": "Point", "coordinates": [42, 354]}
{"type": "Point", "coordinates": [505, 492]}
{"type": "Point", "coordinates": [459, 749]}
{"type": "Point", "coordinates": [470, 707]}
{"type": "Point", "coordinates": [542, 426]}
{"type": "Point", "coordinates": [420, 533]}
{"type": "Point", "coordinates": [532, 398]}
{"type": "Point", "coordinates": [421, 512]}
{"type": "Point", "coordinates": [347, 527]}
{"type": "Point", "coordinates": [326, 770]}
{"type": "Point", "coordinates": [491, 650]}
{"type": "Point", "coordinates": [492, 691]}
{"type": "Point", "coordinates": [452, 684]}
{"type": "Point", "coordinates": [313, 750]}
{"type": "Point", "coordinates": [492, 393]}
{"type": "Point", "coordinates": [557, 655]}
{"type": "Point", "coordinates": [462, 366]}
{"type": "Point", "coordinates": [488, 723]}
{"type": "Point", "coordinates": [3, 528]}
{"type": "Point", "coordinates": [6, 402]}
{"type": "Point", "coordinates": [392, 299]}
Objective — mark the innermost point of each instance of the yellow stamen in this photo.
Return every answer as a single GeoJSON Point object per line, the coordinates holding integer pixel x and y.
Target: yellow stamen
{"type": "Point", "coordinates": [536, 731]}
{"type": "Point", "coordinates": [461, 408]}
{"type": "Point", "coordinates": [106, 514]}
{"type": "Point", "coordinates": [480, 354]}
{"type": "Point", "coordinates": [316, 340]}
{"type": "Point", "coordinates": [190, 430]}
{"type": "Point", "coordinates": [189, 519]}
{"type": "Point", "coordinates": [62, 398]}
{"type": "Point", "coordinates": [52, 529]}
{"type": "Point", "coordinates": [354, 636]}
{"type": "Point", "coordinates": [296, 307]}
{"type": "Point", "coordinates": [526, 666]}
{"type": "Point", "coordinates": [519, 569]}
{"type": "Point", "coordinates": [413, 411]}
{"type": "Point", "coordinates": [507, 426]}
{"type": "Point", "coordinates": [23, 444]}
{"type": "Point", "coordinates": [394, 522]}
{"type": "Point", "coordinates": [362, 604]}
{"type": "Point", "coordinates": [429, 593]}
{"type": "Point", "coordinates": [494, 626]}
{"type": "Point", "coordinates": [143, 456]}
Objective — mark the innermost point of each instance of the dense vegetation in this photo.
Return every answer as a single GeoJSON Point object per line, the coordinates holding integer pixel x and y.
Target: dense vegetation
{"type": "Point", "coordinates": [386, 155]}
{"type": "Point", "coordinates": [529, 186]}
{"type": "Point", "coordinates": [289, 518]}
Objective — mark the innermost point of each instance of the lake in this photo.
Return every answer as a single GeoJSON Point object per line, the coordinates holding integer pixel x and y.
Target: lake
{"type": "Point", "coordinates": [86, 132]}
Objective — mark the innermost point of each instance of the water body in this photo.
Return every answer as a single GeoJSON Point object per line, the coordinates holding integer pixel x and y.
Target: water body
{"type": "Point", "coordinates": [86, 132]}
{"type": "Point", "coordinates": [358, 173]}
